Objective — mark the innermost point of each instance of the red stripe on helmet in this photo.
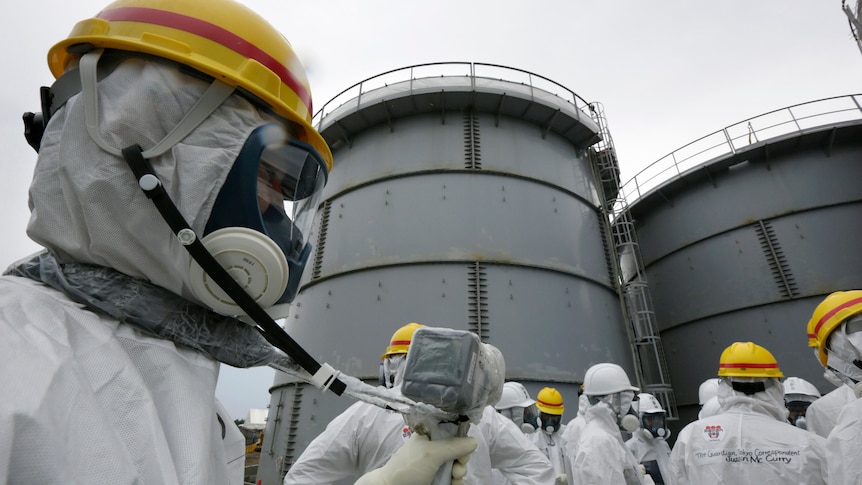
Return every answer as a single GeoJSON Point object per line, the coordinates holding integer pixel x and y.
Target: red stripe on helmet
{"type": "Point", "coordinates": [548, 404]}
{"type": "Point", "coordinates": [211, 32]}
{"type": "Point", "coordinates": [835, 310]}
{"type": "Point", "coordinates": [399, 342]}
{"type": "Point", "coordinates": [749, 366]}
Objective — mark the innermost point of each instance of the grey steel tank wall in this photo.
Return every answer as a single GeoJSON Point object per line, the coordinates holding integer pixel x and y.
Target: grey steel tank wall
{"type": "Point", "coordinates": [745, 248]}
{"type": "Point", "coordinates": [464, 219]}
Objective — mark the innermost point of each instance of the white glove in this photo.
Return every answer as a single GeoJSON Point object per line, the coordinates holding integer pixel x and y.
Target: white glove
{"type": "Point", "coordinates": [561, 479]}
{"type": "Point", "coordinates": [418, 460]}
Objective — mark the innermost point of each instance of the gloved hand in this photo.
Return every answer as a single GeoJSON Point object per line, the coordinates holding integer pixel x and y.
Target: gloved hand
{"type": "Point", "coordinates": [418, 460]}
{"type": "Point", "coordinates": [561, 479]}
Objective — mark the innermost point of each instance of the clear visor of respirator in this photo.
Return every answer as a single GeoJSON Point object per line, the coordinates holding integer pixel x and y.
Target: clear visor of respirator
{"type": "Point", "coordinates": [623, 401]}
{"type": "Point", "coordinates": [532, 417]}
{"type": "Point", "coordinates": [655, 423]}
{"type": "Point", "coordinates": [513, 414]}
{"type": "Point", "coordinates": [796, 410]}
{"type": "Point", "coordinates": [551, 422]}
{"type": "Point", "coordinates": [261, 218]}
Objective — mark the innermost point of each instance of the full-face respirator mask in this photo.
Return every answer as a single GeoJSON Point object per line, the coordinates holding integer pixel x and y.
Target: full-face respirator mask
{"type": "Point", "coordinates": [551, 422]}
{"type": "Point", "coordinates": [655, 424]}
{"type": "Point", "coordinates": [249, 231]}
{"type": "Point", "coordinates": [526, 418]}
{"type": "Point", "coordinates": [621, 404]}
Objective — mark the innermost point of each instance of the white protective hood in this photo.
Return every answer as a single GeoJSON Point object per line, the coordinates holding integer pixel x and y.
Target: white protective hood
{"type": "Point", "coordinates": [90, 399]}
{"type": "Point", "coordinates": [769, 402]}
{"type": "Point", "coordinates": [85, 204]}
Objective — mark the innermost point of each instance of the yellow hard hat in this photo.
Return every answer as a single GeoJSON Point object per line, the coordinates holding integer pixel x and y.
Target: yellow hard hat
{"type": "Point", "coordinates": [550, 401]}
{"type": "Point", "coordinates": [747, 359]}
{"type": "Point", "coordinates": [400, 341]}
{"type": "Point", "coordinates": [833, 310]}
{"type": "Point", "coordinates": [220, 38]}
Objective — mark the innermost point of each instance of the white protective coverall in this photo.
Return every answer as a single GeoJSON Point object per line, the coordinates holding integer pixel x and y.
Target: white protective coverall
{"type": "Point", "coordinates": [573, 431]}
{"type": "Point", "coordinates": [709, 408]}
{"type": "Point", "coordinates": [646, 449]}
{"type": "Point", "coordinates": [601, 457]}
{"type": "Point", "coordinates": [364, 436]}
{"type": "Point", "coordinates": [844, 444]}
{"type": "Point", "coordinates": [822, 414]}
{"type": "Point", "coordinates": [749, 441]}
{"type": "Point", "coordinates": [88, 399]}
{"type": "Point", "coordinates": [234, 445]}
{"type": "Point", "coordinates": [553, 446]}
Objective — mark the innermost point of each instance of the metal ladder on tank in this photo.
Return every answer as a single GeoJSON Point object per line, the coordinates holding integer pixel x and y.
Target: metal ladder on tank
{"type": "Point", "coordinates": [642, 328]}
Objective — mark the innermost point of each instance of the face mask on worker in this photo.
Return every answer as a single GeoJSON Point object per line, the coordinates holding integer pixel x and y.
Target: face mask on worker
{"type": "Point", "coordinates": [797, 410]}
{"type": "Point", "coordinates": [656, 424]}
{"type": "Point", "coordinates": [249, 232]}
{"type": "Point", "coordinates": [260, 221]}
{"type": "Point", "coordinates": [393, 370]}
{"type": "Point", "coordinates": [526, 418]}
{"type": "Point", "coordinates": [621, 404]}
{"type": "Point", "coordinates": [550, 422]}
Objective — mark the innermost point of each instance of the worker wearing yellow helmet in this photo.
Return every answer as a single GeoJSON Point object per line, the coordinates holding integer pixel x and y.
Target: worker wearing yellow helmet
{"type": "Point", "coordinates": [749, 440]}
{"type": "Point", "coordinates": [549, 440]}
{"type": "Point", "coordinates": [170, 146]}
{"type": "Point", "coordinates": [835, 332]}
{"type": "Point", "coordinates": [822, 414]}
{"type": "Point", "coordinates": [365, 436]}
{"type": "Point", "coordinates": [393, 360]}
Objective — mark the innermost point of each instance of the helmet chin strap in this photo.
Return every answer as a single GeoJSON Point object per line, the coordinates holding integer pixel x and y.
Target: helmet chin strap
{"type": "Point", "coordinates": [322, 376]}
{"type": "Point", "coordinates": [209, 101]}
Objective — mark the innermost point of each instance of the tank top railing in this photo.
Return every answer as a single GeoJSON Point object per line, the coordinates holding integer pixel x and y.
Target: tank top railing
{"type": "Point", "coordinates": [796, 119]}
{"type": "Point", "coordinates": [471, 71]}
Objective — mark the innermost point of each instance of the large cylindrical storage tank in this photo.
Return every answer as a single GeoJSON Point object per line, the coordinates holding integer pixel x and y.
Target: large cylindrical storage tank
{"type": "Point", "coordinates": [756, 225]}
{"type": "Point", "coordinates": [463, 200]}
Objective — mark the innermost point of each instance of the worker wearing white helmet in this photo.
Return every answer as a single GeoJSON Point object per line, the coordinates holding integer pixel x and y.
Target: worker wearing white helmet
{"type": "Point", "coordinates": [648, 443]}
{"type": "Point", "coordinates": [517, 405]}
{"type": "Point", "coordinates": [799, 394]}
{"type": "Point", "coordinates": [707, 394]}
{"type": "Point", "coordinates": [601, 456]}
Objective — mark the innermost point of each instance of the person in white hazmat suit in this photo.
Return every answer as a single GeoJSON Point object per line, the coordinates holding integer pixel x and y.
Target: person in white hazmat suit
{"type": "Point", "coordinates": [749, 440]}
{"type": "Point", "coordinates": [549, 439]}
{"type": "Point", "coordinates": [799, 394]}
{"type": "Point", "coordinates": [111, 338]}
{"type": "Point", "coordinates": [574, 428]}
{"type": "Point", "coordinates": [516, 405]}
{"type": "Point", "coordinates": [364, 436]}
{"type": "Point", "coordinates": [835, 331]}
{"type": "Point", "coordinates": [707, 395]}
{"type": "Point", "coordinates": [648, 443]}
{"type": "Point", "coordinates": [601, 456]}
{"type": "Point", "coordinates": [822, 414]}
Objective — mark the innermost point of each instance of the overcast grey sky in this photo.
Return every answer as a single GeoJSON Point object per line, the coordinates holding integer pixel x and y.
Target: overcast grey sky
{"type": "Point", "coordinates": [667, 72]}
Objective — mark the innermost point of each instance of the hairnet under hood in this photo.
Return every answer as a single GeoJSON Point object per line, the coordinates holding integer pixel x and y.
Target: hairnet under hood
{"type": "Point", "coordinates": [85, 204]}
